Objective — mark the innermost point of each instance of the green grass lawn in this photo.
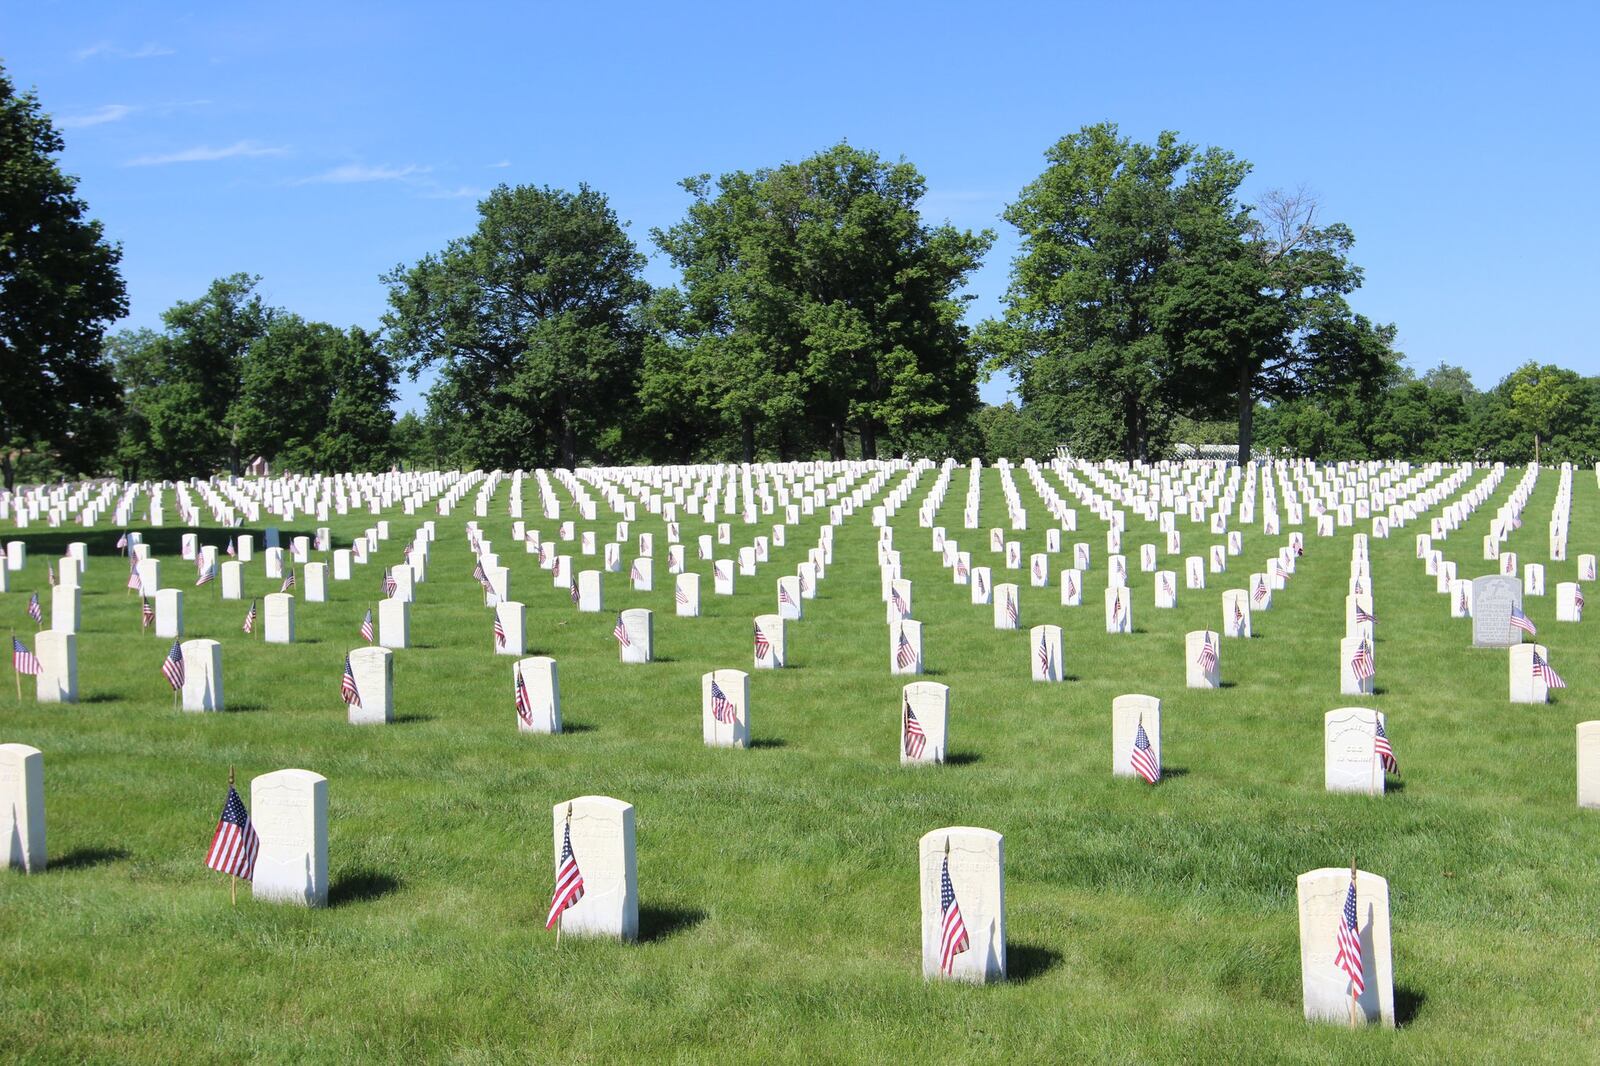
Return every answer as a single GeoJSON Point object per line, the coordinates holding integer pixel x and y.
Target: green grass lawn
{"type": "Point", "coordinates": [779, 885]}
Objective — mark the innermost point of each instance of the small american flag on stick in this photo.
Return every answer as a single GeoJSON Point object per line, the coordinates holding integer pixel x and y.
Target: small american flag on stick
{"type": "Point", "coordinates": [1542, 669]}
{"type": "Point", "coordinates": [35, 612]}
{"type": "Point", "coordinates": [172, 666]}
{"type": "Point", "coordinates": [523, 700]}
{"type": "Point", "coordinates": [904, 656]}
{"type": "Point", "coordinates": [1144, 758]}
{"type": "Point", "coordinates": [234, 844]}
{"type": "Point", "coordinates": [250, 618]}
{"type": "Point", "coordinates": [1361, 662]}
{"type": "Point", "coordinates": [366, 627]}
{"type": "Point", "coordinates": [1382, 749]}
{"type": "Point", "coordinates": [620, 631]}
{"type": "Point", "coordinates": [23, 661]}
{"type": "Point", "coordinates": [569, 879]}
{"type": "Point", "coordinates": [1347, 956]}
{"type": "Point", "coordinates": [722, 708]}
{"type": "Point", "coordinates": [347, 686]}
{"type": "Point", "coordinates": [1523, 622]}
{"type": "Point", "coordinates": [1208, 653]}
{"type": "Point", "coordinates": [763, 645]}
{"type": "Point", "coordinates": [147, 613]}
{"type": "Point", "coordinates": [953, 931]}
{"type": "Point", "coordinates": [914, 739]}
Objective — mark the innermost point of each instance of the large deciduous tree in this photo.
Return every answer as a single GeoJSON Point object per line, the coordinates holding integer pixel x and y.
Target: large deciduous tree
{"type": "Point", "coordinates": [533, 320]}
{"type": "Point", "coordinates": [59, 290]}
{"type": "Point", "coordinates": [816, 303]}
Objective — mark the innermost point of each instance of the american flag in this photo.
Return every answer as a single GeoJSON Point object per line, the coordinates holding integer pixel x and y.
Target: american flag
{"type": "Point", "coordinates": [1072, 588]}
{"type": "Point", "coordinates": [1543, 669]}
{"type": "Point", "coordinates": [1261, 590]}
{"type": "Point", "coordinates": [803, 583]}
{"type": "Point", "coordinates": [1465, 607]}
{"type": "Point", "coordinates": [961, 568]}
{"type": "Point", "coordinates": [721, 575]}
{"type": "Point", "coordinates": [366, 627]}
{"type": "Point", "coordinates": [389, 585]}
{"type": "Point", "coordinates": [1382, 748]}
{"type": "Point", "coordinates": [783, 595]}
{"type": "Point", "coordinates": [1361, 662]}
{"type": "Point", "coordinates": [23, 661]}
{"type": "Point", "coordinates": [234, 845]}
{"type": "Point", "coordinates": [1166, 585]}
{"type": "Point", "coordinates": [524, 701]}
{"type": "Point", "coordinates": [722, 709]}
{"type": "Point", "coordinates": [230, 546]}
{"type": "Point", "coordinates": [899, 603]}
{"type": "Point", "coordinates": [1116, 610]}
{"type": "Point", "coordinates": [1364, 615]}
{"type": "Point", "coordinates": [250, 618]}
{"type": "Point", "coordinates": [1238, 620]}
{"type": "Point", "coordinates": [620, 631]}
{"type": "Point", "coordinates": [1144, 759]}
{"type": "Point", "coordinates": [147, 613]}
{"type": "Point", "coordinates": [1011, 608]}
{"type": "Point", "coordinates": [633, 572]}
{"type": "Point", "coordinates": [1511, 564]}
{"type": "Point", "coordinates": [953, 932]}
{"type": "Point", "coordinates": [207, 573]}
{"type": "Point", "coordinates": [172, 666]}
{"type": "Point", "coordinates": [1523, 622]}
{"type": "Point", "coordinates": [569, 880]}
{"type": "Point", "coordinates": [288, 581]}
{"type": "Point", "coordinates": [980, 584]}
{"type": "Point", "coordinates": [1038, 568]}
{"type": "Point", "coordinates": [683, 596]}
{"type": "Point", "coordinates": [915, 739]}
{"type": "Point", "coordinates": [1208, 653]}
{"type": "Point", "coordinates": [1577, 598]}
{"type": "Point", "coordinates": [904, 657]}
{"type": "Point", "coordinates": [347, 686]}
{"type": "Point", "coordinates": [763, 645]}
{"type": "Point", "coordinates": [1348, 957]}
{"type": "Point", "coordinates": [35, 612]}
{"type": "Point", "coordinates": [499, 631]}
{"type": "Point", "coordinates": [480, 577]}
{"type": "Point", "coordinates": [405, 553]}
{"type": "Point", "coordinates": [50, 573]}
{"type": "Point", "coordinates": [573, 590]}
{"type": "Point", "coordinates": [1044, 654]}
{"type": "Point", "coordinates": [122, 542]}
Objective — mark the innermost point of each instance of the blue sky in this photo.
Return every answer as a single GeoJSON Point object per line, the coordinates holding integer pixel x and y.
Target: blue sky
{"type": "Point", "coordinates": [320, 145]}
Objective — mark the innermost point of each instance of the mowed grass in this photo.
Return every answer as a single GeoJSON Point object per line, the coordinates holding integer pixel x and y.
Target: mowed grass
{"type": "Point", "coordinates": [779, 891]}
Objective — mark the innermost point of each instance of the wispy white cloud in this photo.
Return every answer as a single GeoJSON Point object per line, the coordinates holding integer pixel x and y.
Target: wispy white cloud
{"type": "Point", "coordinates": [497, 166]}
{"type": "Point", "coordinates": [98, 117]}
{"type": "Point", "coordinates": [460, 192]}
{"type": "Point", "coordinates": [354, 173]}
{"type": "Point", "coordinates": [112, 51]}
{"type": "Point", "coordinates": [207, 154]}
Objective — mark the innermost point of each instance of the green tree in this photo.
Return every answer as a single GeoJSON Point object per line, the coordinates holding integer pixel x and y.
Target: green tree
{"type": "Point", "coordinates": [1256, 309]}
{"type": "Point", "coordinates": [357, 431]}
{"type": "Point", "coordinates": [1010, 432]}
{"type": "Point", "coordinates": [534, 322]}
{"type": "Point", "coordinates": [817, 303]}
{"type": "Point", "coordinates": [59, 290]}
{"type": "Point", "coordinates": [1542, 399]}
{"type": "Point", "coordinates": [1100, 228]}
{"type": "Point", "coordinates": [285, 388]}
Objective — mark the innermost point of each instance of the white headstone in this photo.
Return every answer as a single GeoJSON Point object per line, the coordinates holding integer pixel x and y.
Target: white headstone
{"type": "Point", "coordinates": [1350, 754]}
{"type": "Point", "coordinates": [905, 647]}
{"type": "Point", "coordinates": [1045, 652]}
{"type": "Point", "coordinates": [602, 836]}
{"type": "Point", "coordinates": [1007, 607]}
{"type": "Point", "coordinates": [1589, 765]}
{"type": "Point", "coordinates": [732, 729]}
{"type": "Point", "coordinates": [66, 608]}
{"type": "Point", "coordinates": [975, 859]}
{"type": "Point", "coordinates": [541, 712]}
{"type": "Point", "coordinates": [771, 650]}
{"type": "Point", "coordinates": [1236, 613]}
{"type": "Point", "coordinates": [58, 667]}
{"type": "Point", "coordinates": [373, 668]}
{"type": "Point", "coordinates": [591, 591]}
{"type": "Point", "coordinates": [638, 624]}
{"type": "Point", "coordinates": [278, 618]}
{"type": "Point", "coordinates": [1325, 988]}
{"type": "Point", "coordinates": [22, 807]}
{"type": "Point", "coordinates": [289, 810]}
{"type": "Point", "coordinates": [1201, 670]}
{"type": "Point", "coordinates": [202, 675]}
{"type": "Point", "coordinates": [316, 579]}
{"type": "Point", "coordinates": [1526, 685]}
{"type": "Point", "coordinates": [512, 617]}
{"type": "Point", "coordinates": [929, 707]}
{"type": "Point", "coordinates": [687, 595]}
{"type": "Point", "coordinates": [1127, 714]}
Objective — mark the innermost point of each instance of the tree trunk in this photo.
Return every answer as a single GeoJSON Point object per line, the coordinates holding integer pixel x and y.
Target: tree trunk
{"type": "Point", "coordinates": [836, 442]}
{"type": "Point", "coordinates": [869, 440]}
{"type": "Point", "coordinates": [8, 470]}
{"type": "Point", "coordinates": [569, 443]}
{"type": "Point", "coordinates": [747, 433]}
{"type": "Point", "coordinates": [1247, 416]}
{"type": "Point", "coordinates": [1535, 455]}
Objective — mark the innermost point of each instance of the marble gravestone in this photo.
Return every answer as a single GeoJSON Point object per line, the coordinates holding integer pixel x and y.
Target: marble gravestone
{"type": "Point", "coordinates": [512, 617]}
{"type": "Point", "coordinates": [1588, 765]}
{"type": "Point", "coordinates": [66, 606]}
{"type": "Point", "coordinates": [202, 675]}
{"type": "Point", "coordinates": [394, 623]}
{"type": "Point", "coordinates": [905, 647]}
{"type": "Point", "coordinates": [289, 809]}
{"type": "Point", "coordinates": [687, 594]}
{"type": "Point", "coordinates": [639, 625]}
{"type": "Point", "coordinates": [1045, 645]}
{"type": "Point", "coordinates": [928, 704]}
{"type": "Point", "coordinates": [373, 668]}
{"type": "Point", "coordinates": [169, 613]}
{"type": "Point", "coordinates": [789, 606]}
{"type": "Point", "coordinates": [22, 807]}
{"type": "Point", "coordinates": [1326, 990]}
{"type": "Point", "coordinates": [538, 676]}
{"type": "Point", "coordinates": [1127, 714]}
{"type": "Point", "coordinates": [734, 732]}
{"type": "Point", "coordinates": [58, 667]}
{"type": "Point", "coordinates": [591, 592]}
{"type": "Point", "coordinates": [1119, 610]}
{"type": "Point", "coordinates": [1350, 755]}
{"type": "Point", "coordinates": [1526, 686]}
{"type": "Point", "coordinates": [771, 651]}
{"type": "Point", "coordinates": [279, 618]}
{"type": "Point", "coordinates": [602, 836]}
{"type": "Point", "coordinates": [1007, 606]}
{"type": "Point", "coordinates": [975, 859]}
{"type": "Point", "coordinates": [1199, 669]}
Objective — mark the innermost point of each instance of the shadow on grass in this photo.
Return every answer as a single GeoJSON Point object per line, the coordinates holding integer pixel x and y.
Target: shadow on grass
{"type": "Point", "coordinates": [405, 719]}
{"type": "Point", "coordinates": [1394, 784]}
{"type": "Point", "coordinates": [360, 886]}
{"type": "Point", "coordinates": [658, 923]}
{"type": "Point", "coordinates": [1408, 1003]}
{"type": "Point", "coordinates": [768, 742]}
{"type": "Point", "coordinates": [1024, 962]}
{"type": "Point", "coordinates": [244, 708]}
{"type": "Point", "coordinates": [100, 697]}
{"type": "Point", "coordinates": [425, 647]}
{"type": "Point", "coordinates": [577, 727]}
{"type": "Point", "coordinates": [1227, 684]}
{"type": "Point", "coordinates": [961, 758]}
{"type": "Point", "coordinates": [84, 858]}
{"type": "Point", "coordinates": [1174, 771]}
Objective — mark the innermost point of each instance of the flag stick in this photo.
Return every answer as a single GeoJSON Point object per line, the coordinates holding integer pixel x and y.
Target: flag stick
{"type": "Point", "coordinates": [14, 671]}
{"type": "Point", "coordinates": [233, 879]}
{"type": "Point", "coordinates": [1355, 1016]}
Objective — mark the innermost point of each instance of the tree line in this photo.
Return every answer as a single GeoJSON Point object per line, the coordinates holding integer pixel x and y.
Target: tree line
{"type": "Point", "coordinates": [817, 312]}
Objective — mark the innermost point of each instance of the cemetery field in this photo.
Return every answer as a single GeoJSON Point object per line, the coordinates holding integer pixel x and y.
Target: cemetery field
{"type": "Point", "coordinates": [779, 886]}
